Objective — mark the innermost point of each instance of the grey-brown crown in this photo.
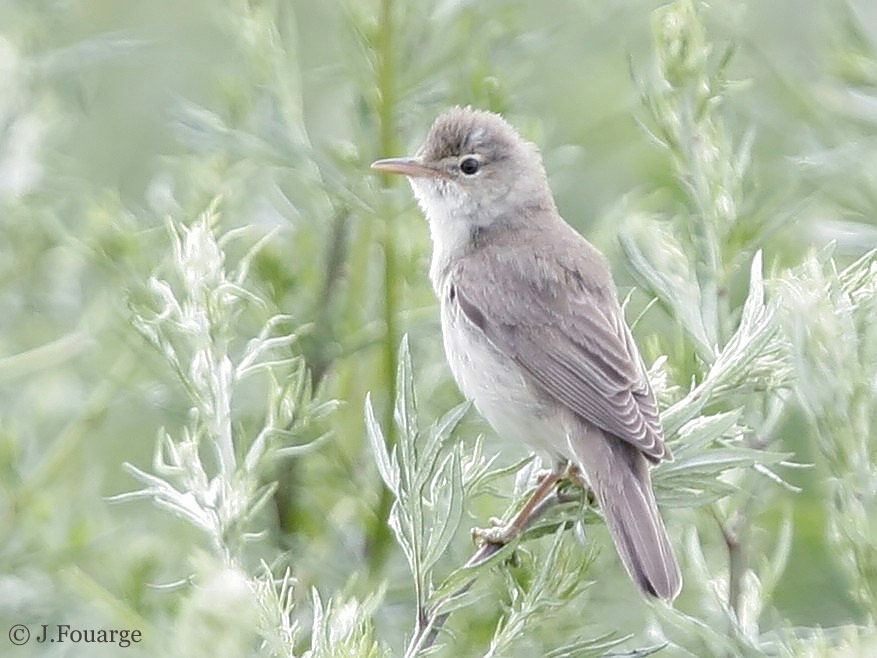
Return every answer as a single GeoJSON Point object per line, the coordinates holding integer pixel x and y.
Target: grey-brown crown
{"type": "Point", "coordinates": [463, 130]}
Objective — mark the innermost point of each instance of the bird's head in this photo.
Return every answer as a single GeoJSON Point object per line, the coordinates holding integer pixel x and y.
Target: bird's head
{"type": "Point", "coordinates": [474, 169]}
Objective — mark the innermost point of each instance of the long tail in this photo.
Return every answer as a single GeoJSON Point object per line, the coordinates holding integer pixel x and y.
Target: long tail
{"type": "Point", "coordinates": [619, 475]}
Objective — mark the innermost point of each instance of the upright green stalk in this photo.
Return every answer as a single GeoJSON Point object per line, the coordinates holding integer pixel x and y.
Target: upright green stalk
{"type": "Point", "coordinates": [380, 535]}
{"type": "Point", "coordinates": [386, 102]}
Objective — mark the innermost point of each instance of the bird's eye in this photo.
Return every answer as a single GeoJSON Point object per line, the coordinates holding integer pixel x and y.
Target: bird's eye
{"type": "Point", "coordinates": [469, 166]}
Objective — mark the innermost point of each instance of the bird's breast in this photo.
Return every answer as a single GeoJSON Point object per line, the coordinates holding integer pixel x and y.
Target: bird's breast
{"type": "Point", "coordinates": [494, 382]}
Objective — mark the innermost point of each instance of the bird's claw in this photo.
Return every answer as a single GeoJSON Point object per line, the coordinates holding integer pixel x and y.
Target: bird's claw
{"type": "Point", "coordinates": [498, 533]}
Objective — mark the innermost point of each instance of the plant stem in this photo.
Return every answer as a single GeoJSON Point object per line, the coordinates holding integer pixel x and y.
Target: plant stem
{"type": "Point", "coordinates": [429, 624]}
{"type": "Point", "coordinates": [380, 537]}
{"type": "Point", "coordinates": [736, 562]}
{"type": "Point", "coordinates": [336, 258]}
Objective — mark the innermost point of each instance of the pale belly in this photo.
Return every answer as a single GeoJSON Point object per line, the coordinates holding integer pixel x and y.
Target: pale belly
{"type": "Point", "coordinates": [499, 389]}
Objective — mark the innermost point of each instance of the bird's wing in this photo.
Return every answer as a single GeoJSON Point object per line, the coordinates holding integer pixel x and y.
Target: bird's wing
{"type": "Point", "coordinates": [569, 335]}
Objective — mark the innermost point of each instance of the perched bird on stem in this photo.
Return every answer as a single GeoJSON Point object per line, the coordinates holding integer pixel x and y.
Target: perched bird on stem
{"type": "Point", "coordinates": [533, 331]}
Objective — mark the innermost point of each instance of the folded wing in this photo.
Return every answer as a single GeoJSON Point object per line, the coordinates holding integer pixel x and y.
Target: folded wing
{"type": "Point", "coordinates": [569, 335]}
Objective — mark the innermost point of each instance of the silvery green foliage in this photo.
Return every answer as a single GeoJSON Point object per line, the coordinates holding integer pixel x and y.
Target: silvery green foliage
{"type": "Point", "coordinates": [277, 625]}
{"type": "Point", "coordinates": [558, 577]}
{"type": "Point", "coordinates": [682, 101]}
{"type": "Point", "coordinates": [190, 320]}
{"type": "Point", "coordinates": [682, 95]}
{"type": "Point", "coordinates": [815, 642]}
{"type": "Point", "coordinates": [682, 261]}
{"type": "Point", "coordinates": [721, 431]}
{"type": "Point", "coordinates": [342, 628]}
{"type": "Point", "coordinates": [218, 617]}
{"type": "Point", "coordinates": [738, 633]}
{"type": "Point", "coordinates": [426, 479]}
{"type": "Point", "coordinates": [212, 476]}
{"type": "Point", "coordinates": [705, 446]}
{"type": "Point", "coordinates": [831, 319]}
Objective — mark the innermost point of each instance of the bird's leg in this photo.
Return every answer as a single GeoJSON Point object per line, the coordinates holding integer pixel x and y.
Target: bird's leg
{"type": "Point", "coordinates": [503, 534]}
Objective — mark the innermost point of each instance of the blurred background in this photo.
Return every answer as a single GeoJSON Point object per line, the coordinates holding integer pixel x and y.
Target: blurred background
{"type": "Point", "coordinates": [119, 119]}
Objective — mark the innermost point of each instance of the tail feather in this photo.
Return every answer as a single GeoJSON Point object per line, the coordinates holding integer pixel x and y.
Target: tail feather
{"type": "Point", "coordinates": [619, 475]}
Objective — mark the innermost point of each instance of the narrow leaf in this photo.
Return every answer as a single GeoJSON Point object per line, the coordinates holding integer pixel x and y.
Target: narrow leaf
{"type": "Point", "coordinates": [389, 470]}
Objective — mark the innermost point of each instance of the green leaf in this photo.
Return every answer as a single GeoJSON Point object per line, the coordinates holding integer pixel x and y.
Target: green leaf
{"type": "Point", "coordinates": [405, 412]}
{"type": "Point", "coordinates": [447, 491]}
{"type": "Point", "coordinates": [702, 430]}
{"type": "Point", "coordinates": [438, 434]}
{"type": "Point", "coordinates": [387, 466]}
{"type": "Point", "coordinates": [662, 268]}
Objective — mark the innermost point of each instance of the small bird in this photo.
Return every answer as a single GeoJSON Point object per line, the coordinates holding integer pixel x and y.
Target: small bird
{"type": "Point", "coordinates": [532, 328]}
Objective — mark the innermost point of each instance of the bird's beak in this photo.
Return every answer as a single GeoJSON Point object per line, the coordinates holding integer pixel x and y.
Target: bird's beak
{"type": "Point", "coordinates": [407, 167]}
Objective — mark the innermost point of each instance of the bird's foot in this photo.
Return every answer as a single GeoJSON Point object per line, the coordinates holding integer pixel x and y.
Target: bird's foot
{"type": "Point", "coordinates": [502, 533]}
{"type": "Point", "coordinates": [498, 533]}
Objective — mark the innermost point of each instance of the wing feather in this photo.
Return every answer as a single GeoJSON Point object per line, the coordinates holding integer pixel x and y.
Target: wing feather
{"type": "Point", "coordinates": [570, 337]}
